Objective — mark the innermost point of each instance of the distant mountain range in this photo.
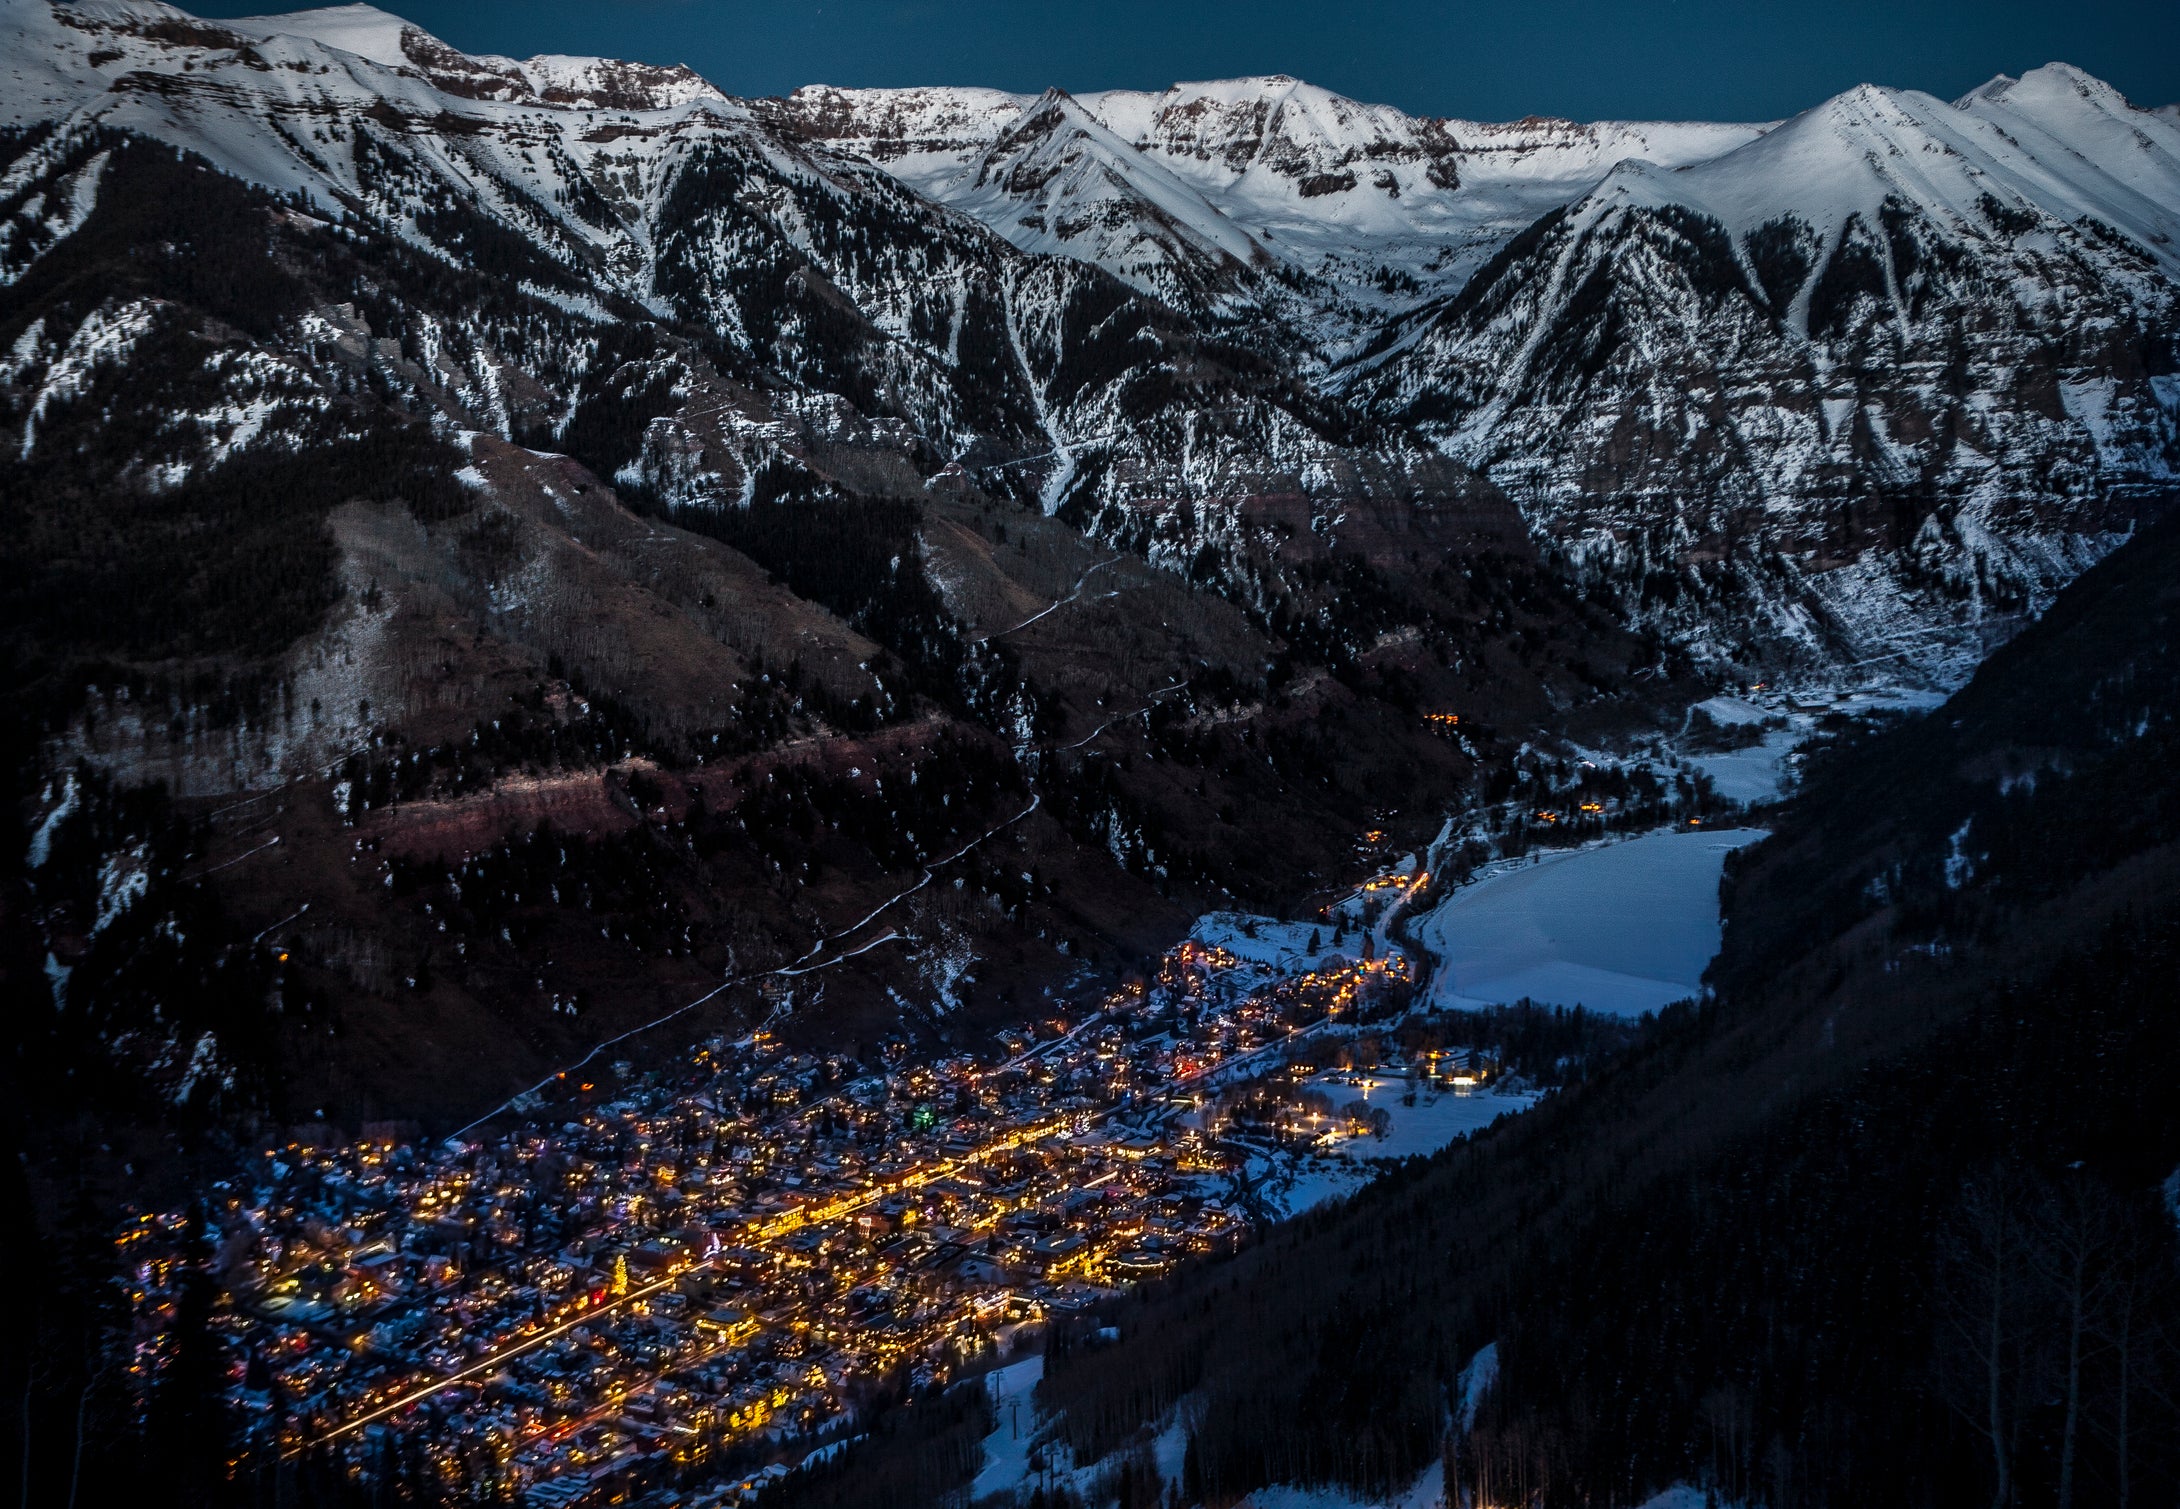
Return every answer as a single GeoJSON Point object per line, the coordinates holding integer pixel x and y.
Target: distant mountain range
{"type": "Point", "coordinates": [1869, 381]}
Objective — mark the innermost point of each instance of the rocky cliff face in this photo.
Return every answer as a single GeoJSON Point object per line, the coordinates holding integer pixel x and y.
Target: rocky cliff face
{"type": "Point", "coordinates": [1886, 376]}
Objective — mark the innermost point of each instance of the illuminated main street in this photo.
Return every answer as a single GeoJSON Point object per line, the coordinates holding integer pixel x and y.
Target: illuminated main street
{"type": "Point", "coordinates": [655, 1278]}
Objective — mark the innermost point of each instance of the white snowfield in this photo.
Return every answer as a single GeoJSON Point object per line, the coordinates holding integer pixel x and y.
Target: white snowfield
{"type": "Point", "coordinates": [1007, 1448]}
{"type": "Point", "coordinates": [1762, 772]}
{"type": "Point", "coordinates": [1284, 946]}
{"type": "Point", "coordinates": [1253, 171]}
{"type": "Point", "coordinates": [2056, 140]}
{"type": "Point", "coordinates": [1621, 927]}
{"type": "Point", "coordinates": [1755, 774]}
{"type": "Point", "coordinates": [1183, 186]}
{"type": "Point", "coordinates": [1759, 772]}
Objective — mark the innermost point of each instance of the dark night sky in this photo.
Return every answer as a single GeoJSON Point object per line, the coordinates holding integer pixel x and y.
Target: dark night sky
{"type": "Point", "coordinates": [1590, 59]}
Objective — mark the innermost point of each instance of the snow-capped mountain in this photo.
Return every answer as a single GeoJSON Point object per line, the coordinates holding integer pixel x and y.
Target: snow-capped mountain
{"type": "Point", "coordinates": [851, 311]}
{"type": "Point", "coordinates": [1056, 180]}
{"type": "Point", "coordinates": [1915, 357]}
{"type": "Point", "coordinates": [1378, 226]}
{"type": "Point", "coordinates": [1892, 362]}
{"type": "Point", "coordinates": [1363, 208]}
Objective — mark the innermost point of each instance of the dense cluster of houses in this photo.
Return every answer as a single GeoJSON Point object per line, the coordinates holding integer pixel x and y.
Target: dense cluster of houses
{"type": "Point", "coordinates": [704, 1277]}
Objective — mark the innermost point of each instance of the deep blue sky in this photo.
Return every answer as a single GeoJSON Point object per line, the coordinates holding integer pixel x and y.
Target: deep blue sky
{"type": "Point", "coordinates": [1484, 59]}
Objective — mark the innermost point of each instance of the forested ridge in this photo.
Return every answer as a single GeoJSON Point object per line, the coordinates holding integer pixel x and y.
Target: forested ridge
{"type": "Point", "coordinates": [1887, 1222]}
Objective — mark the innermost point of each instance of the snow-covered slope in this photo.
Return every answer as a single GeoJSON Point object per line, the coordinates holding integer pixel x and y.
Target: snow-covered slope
{"type": "Point", "coordinates": [1893, 365]}
{"type": "Point", "coordinates": [2057, 144]}
{"type": "Point", "coordinates": [351, 106]}
{"type": "Point", "coordinates": [1353, 192]}
{"type": "Point", "coordinates": [1893, 362]}
{"type": "Point", "coordinates": [1363, 207]}
{"type": "Point", "coordinates": [554, 79]}
{"type": "Point", "coordinates": [1058, 181]}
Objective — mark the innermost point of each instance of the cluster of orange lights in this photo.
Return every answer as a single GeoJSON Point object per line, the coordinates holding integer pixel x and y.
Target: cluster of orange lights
{"type": "Point", "coordinates": [1345, 983]}
{"type": "Point", "coordinates": [1443, 720]}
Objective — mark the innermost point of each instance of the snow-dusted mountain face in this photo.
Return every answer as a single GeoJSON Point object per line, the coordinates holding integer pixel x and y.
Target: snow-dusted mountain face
{"type": "Point", "coordinates": [623, 194]}
{"type": "Point", "coordinates": [1360, 210]}
{"type": "Point", "coordinates": [415, 463]}
{"type": "Point", "coordinates": [1894, 365]}
{"type": "Point", "coordinates": [1785, 391]}
{"type": "Point", "coordinates": [1879, 378]}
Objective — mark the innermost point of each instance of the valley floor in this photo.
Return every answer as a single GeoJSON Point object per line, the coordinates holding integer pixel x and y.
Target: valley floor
{"type": "Point", "coordinates": [1622, 928]}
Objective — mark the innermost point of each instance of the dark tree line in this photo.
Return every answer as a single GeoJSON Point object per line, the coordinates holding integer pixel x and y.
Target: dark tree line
{"type": "Point", "coordinates": [153, 963]}
{"type": "Point", "coordinates": [1949, 1283]}
{"type": "Point", "coordinates": [911, 1448]}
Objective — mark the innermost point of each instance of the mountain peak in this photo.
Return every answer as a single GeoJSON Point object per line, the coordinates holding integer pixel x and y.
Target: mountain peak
{"type": "Point", "coordinates": [1993, 88]}
{"type": "Point", "coordinates": [1060, 180]}
{"type": "Point", "coordinates": [1051, 111]}
{"type": "Point", "coordinates": [364, 30]}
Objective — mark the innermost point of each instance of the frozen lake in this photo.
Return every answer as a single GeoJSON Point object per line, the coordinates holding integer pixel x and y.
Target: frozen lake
{"type": "Point", "coordinates": [1623, 928]}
